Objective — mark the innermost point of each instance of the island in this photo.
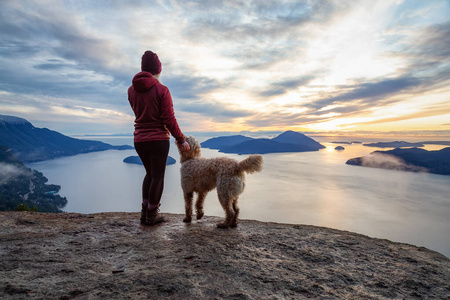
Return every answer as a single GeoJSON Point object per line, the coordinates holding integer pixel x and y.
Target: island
{"type": "Point", "coordinates": [289, 141]}
{"type": "Point", "coordinates": [224, 141]}
{"type": "Point", "coordinates": [136, 160]}
{"type": "Point", "coordinates": [445, 143]}
{"type": "Point", "coordinates": [396, 144]}
{"type": "Point", "coordinates": [31, 144]}
{"type": "Point", "coordinates": [345, 143]}
{"type": "Point", "coordinates": [410, 159]}
{"type": "Point", "coordinates": [339, 148]}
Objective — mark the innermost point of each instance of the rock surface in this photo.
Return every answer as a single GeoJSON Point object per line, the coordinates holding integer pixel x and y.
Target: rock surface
{"type": "Point", "coordinates": [111, 256]}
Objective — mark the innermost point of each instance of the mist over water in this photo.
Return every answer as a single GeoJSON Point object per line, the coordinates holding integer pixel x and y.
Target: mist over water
{"type": "Point", "coordinates": [314, 188]}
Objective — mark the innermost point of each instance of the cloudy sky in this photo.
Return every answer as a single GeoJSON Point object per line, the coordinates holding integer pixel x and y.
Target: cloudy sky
{"type": "Point", "coordinates": [312, 65]}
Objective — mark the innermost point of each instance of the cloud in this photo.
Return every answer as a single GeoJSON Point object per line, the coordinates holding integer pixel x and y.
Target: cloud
{"type": "Point", "coordinates": [285, 57]}
{"type": "Point", "coordinates": [190, 86]}
{"type": "Point", "coordinates": [258, 34]}
{"type": "Point", "coordinates": [278, 118]}
{"type": "Point", "coordinates": [284, 86]}
{"type": "Point", "coordinates": [432, 46]}
{"type": "Point", "coordinates": [10, 171]}
{"type": "Point", "coordinates": [213, 110]}
{"type": "Point", "coordinates": [54, 64]}
{"type": "Point", "coordinates": [257, 20]}
{"type": "Point", "coordinates": [426, 52]}
{"type": "Point", "coordinates": [370, 92]}
{"type": "Point", "coordinates": [386, 161]}
{"type": "Point", "coordinates": [57, 38]}
{"type": "Point", "coordinates": [49, 28]}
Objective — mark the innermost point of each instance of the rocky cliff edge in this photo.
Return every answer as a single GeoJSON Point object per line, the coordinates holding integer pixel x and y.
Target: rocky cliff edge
{"type": "Point", "coordinates": [111, 256]}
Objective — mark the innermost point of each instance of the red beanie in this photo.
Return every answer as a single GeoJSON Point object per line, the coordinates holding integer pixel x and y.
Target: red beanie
{"type": "Point", "coordinates": [150, 63]}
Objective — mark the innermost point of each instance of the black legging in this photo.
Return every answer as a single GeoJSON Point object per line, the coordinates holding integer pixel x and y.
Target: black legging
{"type": "Point", "coordinates": [154, 157]}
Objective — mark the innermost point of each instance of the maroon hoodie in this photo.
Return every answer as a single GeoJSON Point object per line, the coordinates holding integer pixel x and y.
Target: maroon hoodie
{"type": "Point", "coordinates": [153, 108]}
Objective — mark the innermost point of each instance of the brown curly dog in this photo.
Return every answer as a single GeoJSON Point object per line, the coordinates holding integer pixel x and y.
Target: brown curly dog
{"type": "Point", "coordinates": [202, 175]}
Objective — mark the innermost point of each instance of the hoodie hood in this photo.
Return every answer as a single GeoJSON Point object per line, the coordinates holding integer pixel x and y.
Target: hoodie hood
{"type": "Point", "coordinates": [143, 81]}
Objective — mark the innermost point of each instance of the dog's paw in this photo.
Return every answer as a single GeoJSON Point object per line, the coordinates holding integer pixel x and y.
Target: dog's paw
{"type": "Point", "coordinates": [233, 225]}
{"type": "Point", "coordinates": [187, 220]}
{"type": "Point", "coordinates": [223, 225]}
{"type": "Point", "coordinates": [200, 215]}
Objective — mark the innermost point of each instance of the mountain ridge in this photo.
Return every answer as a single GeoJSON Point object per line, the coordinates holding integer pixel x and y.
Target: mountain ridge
{"type": "Point", "coordinates": [31, 144]}
{"type": "Point", "coordinates": [288, 141]}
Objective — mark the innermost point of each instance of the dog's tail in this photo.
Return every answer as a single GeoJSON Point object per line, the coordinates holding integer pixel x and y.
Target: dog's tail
{"type": "Point", "coordinates": [251, 164]}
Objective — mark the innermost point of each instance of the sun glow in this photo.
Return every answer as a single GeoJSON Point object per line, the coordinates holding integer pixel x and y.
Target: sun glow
{"type": "Point", "coordinates": [353, 49]}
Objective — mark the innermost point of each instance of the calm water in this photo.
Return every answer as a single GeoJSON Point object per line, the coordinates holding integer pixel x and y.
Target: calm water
{"type": "Point", "coordinates": [315, 188]}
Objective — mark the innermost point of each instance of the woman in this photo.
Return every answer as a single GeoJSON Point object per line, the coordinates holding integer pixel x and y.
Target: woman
{"type": "Point", "coordinates": [155, 121]}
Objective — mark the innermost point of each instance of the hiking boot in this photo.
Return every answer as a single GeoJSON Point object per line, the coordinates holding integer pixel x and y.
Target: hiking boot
{"type": "Point", "coordinates": [153, 217]}
{"type": "Point", "coordinates": [143, 213]}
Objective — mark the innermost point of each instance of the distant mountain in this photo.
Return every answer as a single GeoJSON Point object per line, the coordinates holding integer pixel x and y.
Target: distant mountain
{"type": "Point", "coordinates": [411, 159]}
{"type": "Point", "coordinates": [224, 141]}
{"type": "Point", "coordinates": [445, 143]}
{"type": "Point", "coordinates": [297, 138]}
{"type": "Point", "coordinates": [288, 141]}
{"type": "Point", "coordinates": [346, 143]}
{"type": "Point", "coordinates": [396, 144]}
{"type": "Point", "coordinates": [21, 187]}
{"type": "Point", "coordinates": [265, 146]}
{"type": "Point", "coordinates": [136, 160]}
{"type": "Point", "coordinates": [31, 144]}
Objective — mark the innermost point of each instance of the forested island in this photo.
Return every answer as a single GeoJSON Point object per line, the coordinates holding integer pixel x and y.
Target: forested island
{"type": "Point", "coordinates": [289, 141]}
{"type": "Point", "coordinates": [136, 160]}
{"type": "Point", "coordinates": [24, 189]}
{"type": "Point", "coordinates": [396, 144]}
{"type": "Point", "coordinates": [403, 144]}
{"type": "Point", "coordinates": [409, 159]}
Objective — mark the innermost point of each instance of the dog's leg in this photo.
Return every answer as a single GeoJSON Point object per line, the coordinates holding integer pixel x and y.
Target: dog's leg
{"type": "Point", "coordinates": [188, 206]}
{"type": "Point", "coordinates": [199, 205]}
{"type": "Point", "coordinates": [229, 212]}
{"type": "Point", "coordinates": [234, 221]}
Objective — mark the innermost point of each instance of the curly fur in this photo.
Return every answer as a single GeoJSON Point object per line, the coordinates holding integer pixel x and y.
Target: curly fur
{"type": "Point", "coordinates": [201, 175]}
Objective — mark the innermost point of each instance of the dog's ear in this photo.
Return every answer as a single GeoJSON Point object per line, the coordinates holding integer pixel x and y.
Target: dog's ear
{"type": "Point", "coordinates": [195, 146]}
{"type": "Point", "coordinates": [194, 152]}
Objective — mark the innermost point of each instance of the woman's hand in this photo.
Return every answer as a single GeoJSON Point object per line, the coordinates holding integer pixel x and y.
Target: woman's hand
{"type": "Point", "coordinates": [185, 146]}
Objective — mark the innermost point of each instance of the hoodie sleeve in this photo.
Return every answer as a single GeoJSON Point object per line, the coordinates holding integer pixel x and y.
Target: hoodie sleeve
{"type": "Point", "coordinates": [168, 116]}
